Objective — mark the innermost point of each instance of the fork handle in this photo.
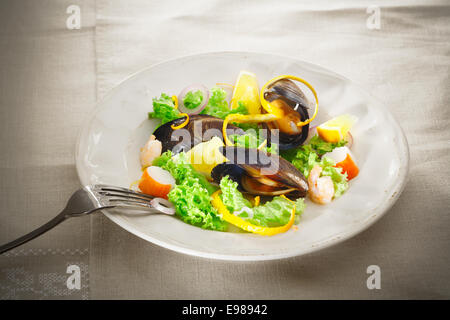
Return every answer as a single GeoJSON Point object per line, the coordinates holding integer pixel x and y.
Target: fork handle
{"type": "Point", "coordinates": [33, 234]}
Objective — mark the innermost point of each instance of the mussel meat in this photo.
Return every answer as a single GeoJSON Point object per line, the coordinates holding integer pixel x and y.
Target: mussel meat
{"type": "Point", "coordinates": [199, 129]}
{"type": "Point", "coordinates": [285, 96]}
{"type": "Point", "coordinates": [260, 173]}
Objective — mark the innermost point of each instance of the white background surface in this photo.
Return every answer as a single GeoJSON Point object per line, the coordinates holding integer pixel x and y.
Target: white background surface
{"type": "Point", "coordinates": [50, 78]}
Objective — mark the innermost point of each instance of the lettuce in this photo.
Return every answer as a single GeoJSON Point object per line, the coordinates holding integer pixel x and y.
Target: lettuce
{"type": "Point", "coordinates": [321, 146]}
{"type": "Point", "coordinates": [250, 140]}
{"type": "Point", "coordinates": [191, 194]}
{"type": "Point", "coordinates": [180, 169]}
{"type": "Point", "coordinates": [193, 99]}
{"type": "Point", "coordinates": [218, 105]}
{"type": "Point", "coordinates": [307, 156]}
{"type": "Point", "coordinates": [164, 109]}
{"type": "Point", "coordinates": [316, 144]}
{"type": "Point", "coordinates": [232, 198]}
{"type": "Point", "coordinates": [305, 161]}
{"type": "Point", "coordinates": [247, 140]}
{"type": "Point", "coordinates": [339, 178]}
{"type": "Point", "coordinates": [277, 212]}
{"type": "Point", "coordinates": [271, 214]}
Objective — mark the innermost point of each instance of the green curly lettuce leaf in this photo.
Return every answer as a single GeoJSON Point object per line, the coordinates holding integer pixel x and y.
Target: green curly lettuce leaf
{"type": "Point", "coordinates": [277, 212]}
{"type": "Point", "coordinates": [232, 198]}
{"type": "Point", "coordinates": [339, 178]}
{"type": "Point", "coordinates": [193, 99]}
{"type": "Point", "coordinates": [191, 195]}
{"type": "Point", "coordinates": [321, 146]}
{"type": "Point", "coordinates": [250, 140]}
{"type": "Point", "coordinates": [271, 214]}
{"type": "Point", "coordinates": [218, 105]}
{"type": "Point", "coordinates": [164, 109]}
{"type": "Point", "coordinates": [316, 144]}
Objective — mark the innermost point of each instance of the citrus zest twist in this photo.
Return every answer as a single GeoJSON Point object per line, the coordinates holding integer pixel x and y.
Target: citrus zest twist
{"type": "Point", "coordinates": [175, 102]}
{"type": "Point", "coordinates": [183, 124]}
{"type": "Point", "coordinates": [224, 84]}
{"type": "Point", "coordinates": [242, 118]}
{"type": "Point", "coordinates": [244, 225]}
{"type": "Point", "coordinates": [266, 105]}
{"type": "Point", "coordinates": [284, 197]}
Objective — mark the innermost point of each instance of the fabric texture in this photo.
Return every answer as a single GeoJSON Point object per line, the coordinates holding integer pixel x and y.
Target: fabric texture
{"type": "Point", "coordinates": [50, 78]}
{"type": "Point", "coordinates": [405, 64]}
{"type": "Point", "coordinates": [47, 89]}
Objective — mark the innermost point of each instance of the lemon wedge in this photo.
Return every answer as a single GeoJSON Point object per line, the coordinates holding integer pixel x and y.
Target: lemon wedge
{"type": "Point", "coordinates": [337, 128]}
{"type": "Point", "coordinates": [206, 155]}
{"type": "Point", "coordinates": [246, 90]}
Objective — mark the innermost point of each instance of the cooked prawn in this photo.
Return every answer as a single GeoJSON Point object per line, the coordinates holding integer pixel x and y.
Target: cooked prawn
{"type": "Point", "coordinates": [321, 189]}
{"type": "Point", "coordinates": [150, 151]}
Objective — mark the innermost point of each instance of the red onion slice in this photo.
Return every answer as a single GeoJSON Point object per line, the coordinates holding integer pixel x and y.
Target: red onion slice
{"type": "Point", "coordinates": [311, 133]}
{"type": "Point", "coordinates": [163, 205]}
{"type": "Point", "coordinates": [195, 87]}
{"type": "Point", "coordinates": [349, 140]}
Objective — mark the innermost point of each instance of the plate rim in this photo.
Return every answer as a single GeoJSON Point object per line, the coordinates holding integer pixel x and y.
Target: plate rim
{"type": "Point", "coordinates": [380, 211]}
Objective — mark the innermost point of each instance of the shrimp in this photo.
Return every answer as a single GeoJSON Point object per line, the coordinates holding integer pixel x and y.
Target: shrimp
{"type": "Point", "coordinates": [150, 151]}
{"type": "Point", "coordinates": [321, 189]}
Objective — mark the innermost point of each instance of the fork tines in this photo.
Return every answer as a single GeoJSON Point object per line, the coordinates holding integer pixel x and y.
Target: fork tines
{"type": "Point", "coordinates": [119, 196]}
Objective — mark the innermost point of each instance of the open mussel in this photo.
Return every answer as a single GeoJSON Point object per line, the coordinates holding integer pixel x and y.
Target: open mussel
{"type": "Point", "coordinates": [199, 129]}
{"type": "Point", "coordinates": [260, 173]}
{"type": "Point", "coordinates": [289, 100]}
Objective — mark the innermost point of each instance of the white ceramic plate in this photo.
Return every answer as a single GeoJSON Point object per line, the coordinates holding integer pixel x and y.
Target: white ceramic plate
{"type": "Point", "coordinates": [108, 152]}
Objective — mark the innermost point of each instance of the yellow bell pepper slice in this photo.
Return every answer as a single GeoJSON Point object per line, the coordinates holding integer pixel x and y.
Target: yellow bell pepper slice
{"type": "Point", "coordinates": [242, 118]}
{"type": "Point", "coordinates": [266, 105]}
{"type": "Point", "coordinates": [244, 225]}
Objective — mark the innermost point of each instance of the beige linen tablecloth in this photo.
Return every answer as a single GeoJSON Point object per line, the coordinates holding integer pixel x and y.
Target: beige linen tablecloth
{"type": "Point", "coordinates": [50, 78]}
{"type": "Point", "coordinates": [47, 83]}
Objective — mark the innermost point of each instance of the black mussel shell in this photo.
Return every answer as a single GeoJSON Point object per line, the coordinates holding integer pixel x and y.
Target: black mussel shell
{"type": "Point", "coordinates": [200, 128]}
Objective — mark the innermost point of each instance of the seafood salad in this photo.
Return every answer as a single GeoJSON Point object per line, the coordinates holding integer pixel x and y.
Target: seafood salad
{"type": "Point", "coordinates": [237, 157]}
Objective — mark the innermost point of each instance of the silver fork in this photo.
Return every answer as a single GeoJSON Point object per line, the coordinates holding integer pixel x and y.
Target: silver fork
{"type": "Point", "coordinates": [86, 201]}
